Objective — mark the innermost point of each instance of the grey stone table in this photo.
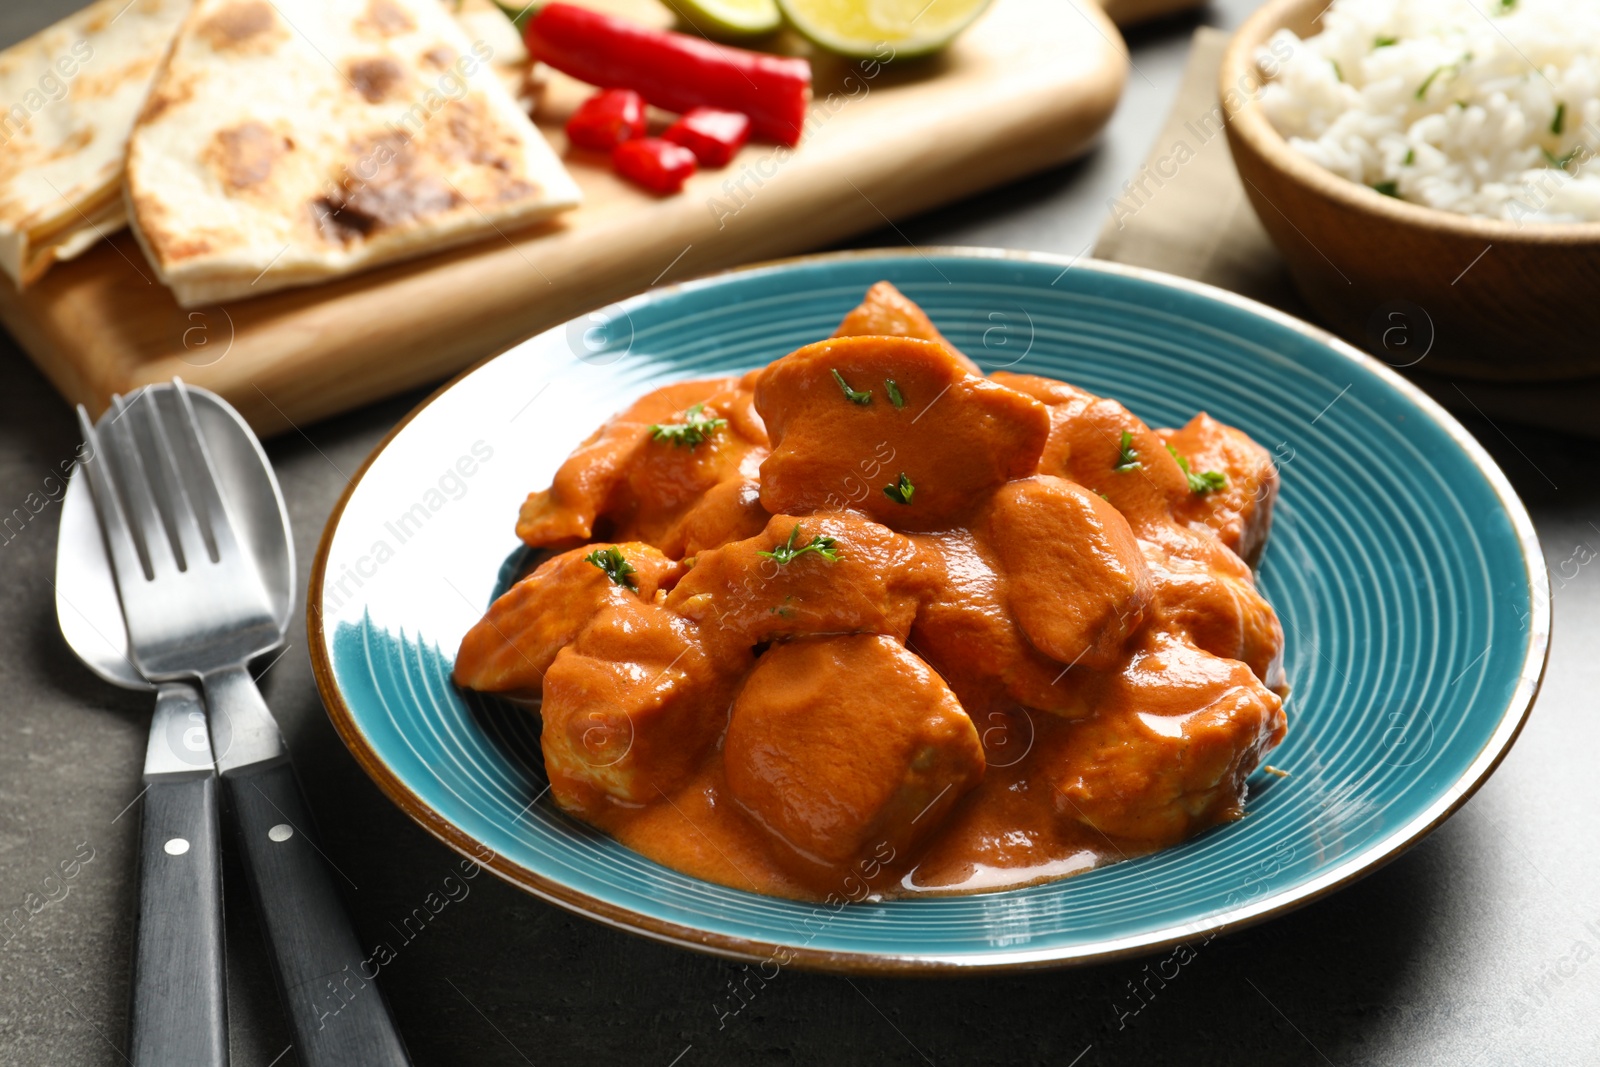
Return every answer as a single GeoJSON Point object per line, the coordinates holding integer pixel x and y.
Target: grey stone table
{"type": "Point", "coordinates": [1481, 945]}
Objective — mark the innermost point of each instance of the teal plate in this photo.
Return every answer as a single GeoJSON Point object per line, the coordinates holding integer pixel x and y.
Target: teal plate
{"type": "Point", "coordinates": [1406, 572]}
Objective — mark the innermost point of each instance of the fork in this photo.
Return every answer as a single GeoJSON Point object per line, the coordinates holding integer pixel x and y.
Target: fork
{"type": "Point", "coordinates": [196, 608]}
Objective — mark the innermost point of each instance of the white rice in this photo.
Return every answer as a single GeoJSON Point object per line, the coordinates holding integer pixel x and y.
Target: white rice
{"type": "Point", "coordinates": [1452, 104]}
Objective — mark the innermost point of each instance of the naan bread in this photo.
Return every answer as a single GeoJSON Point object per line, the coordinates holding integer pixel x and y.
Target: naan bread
{"type": "Point", "coordinates": [73, 92]}
{"type": "Point", "coordinates": [294, 141]}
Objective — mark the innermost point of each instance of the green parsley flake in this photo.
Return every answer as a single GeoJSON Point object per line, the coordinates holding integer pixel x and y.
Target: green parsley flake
{"type": "Point", "coordinates": [901, 491]}
{"type": "Point", "coordinates": [1127, 455]}
{"type": "Point", "coordinates": [791, 550]}
{"type": "Point", "coordinates": [1422, 90]}
{"type": "Point", "coordinates": [1202, 483]}
{"type": "Point", "coordinates": [1452, 68]}
{"type": "Point", "coordinates": [616, 565]}
{"type": "Point", "coordinates": [693, 430]}
{"type": "Point", "coordinates": [1560, 163]}
{"type": "Point", "coordinates": [855, 396]}
{"type": "Point", "coordinates": [893, 390]}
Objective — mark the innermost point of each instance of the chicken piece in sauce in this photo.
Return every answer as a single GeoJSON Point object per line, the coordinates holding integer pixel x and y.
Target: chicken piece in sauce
{"type": "Point", "coordinates": [861, 578]}
{"type": "Point", "coordinates": [1239, 512]}
{"type": "Point", "coordinates": [1206, 593]}
{"type": "Point", "coordinates": [847, 748]}
{"type": "Point", "coordinates": [510, 648]}
{"type": "Point", "coordinates": [1105, 448]}
{"type": "Point", "coordinates": [887, 312]}
{"type": "Point", "coordinates": [1168, 749]}
{"type": "Point", "coordinates": [632, 706]}
{"type": "Point", "coordinates": [1079, 588]}
{"type": "Point", "coordinates": [677, 470]}
{"type": "Point", "coordinates": [965, 629]}
{"type": "Point", "coordinates": [893, 427]}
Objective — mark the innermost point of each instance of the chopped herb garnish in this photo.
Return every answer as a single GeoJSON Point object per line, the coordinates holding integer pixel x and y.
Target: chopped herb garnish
{"type": "Point", "coordinates": [1127, 455]}
{"type": "Point", "coordinates": [694, 428]}
{"type": "Point", "coordinates": [1422, 90]}
{"type": "Point", "coordinates": [1388, 189]}
{"type": "Point", "coordinates": [1453, 68]}
{"type": "Point", "coordinates": [1337, 73]}
{"type": "Point", "coordinates": [1384, 42]}
{"type": "Point", "coordinates": [791, 550]}
{"type": "Point", "coordinates": [901, 491]}
{"type": "Point", "coordinates": [1202, 483]}
{"type": "Point", "coordinates": [616, 565]}
{"type": "Point", "coordinates": [894, 393]}
{"type": "Point", "coordinates": [855, 396]}
{"type": "Point", "coordinates": [1411, 157]}
{"type": "Point", "coordinates": [1507, 6]}
{"type": "Point", "coordinates": [1561, 163]}
{"type": "Point", "coordinates": [1560, 121]}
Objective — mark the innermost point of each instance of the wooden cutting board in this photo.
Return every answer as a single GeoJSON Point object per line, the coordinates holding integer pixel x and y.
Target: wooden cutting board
{"type": "Point", "coordinates": [1030, 85]}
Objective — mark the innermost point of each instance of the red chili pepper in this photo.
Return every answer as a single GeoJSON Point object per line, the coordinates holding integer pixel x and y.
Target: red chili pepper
{"type": "Point", "coordinates": [673, 70]}
{"type": "Point", "coordinates": [712, 135]}
{"type": "Point", "coordinates": [660, 166]}
{"type": "Point", "coordinates": [606, 119]}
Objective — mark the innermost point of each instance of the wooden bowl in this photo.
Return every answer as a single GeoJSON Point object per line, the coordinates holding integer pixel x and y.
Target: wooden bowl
{"type": "Point", "coordinates": [1472, 297]}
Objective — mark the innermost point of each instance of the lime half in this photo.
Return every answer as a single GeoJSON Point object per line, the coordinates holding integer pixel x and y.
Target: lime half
{"type": "Point", "coordinates": [725, 19]}
{"type": "Point", "coordinates": [881, 29]}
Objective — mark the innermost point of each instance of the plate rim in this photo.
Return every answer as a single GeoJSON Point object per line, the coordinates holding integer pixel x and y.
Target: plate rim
{"type": "Point", "coordinates": [754, 950]}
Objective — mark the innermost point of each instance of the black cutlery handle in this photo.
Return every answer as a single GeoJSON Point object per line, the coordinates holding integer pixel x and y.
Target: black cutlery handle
{"type": "Point", "coordinates": [180, 1013]}
{"type": "Point", "coordinates": [328, 983]}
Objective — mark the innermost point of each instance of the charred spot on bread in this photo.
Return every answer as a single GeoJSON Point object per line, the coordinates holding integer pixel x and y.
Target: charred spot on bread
{"type": "Point", "coordinates": [375, 78]}
{"type": "Point", "coordinates": [243, 156]}
{"type": "Point", "coordinates": [385, 19]}
{"type": "Point", "coordinates": [238, 24]}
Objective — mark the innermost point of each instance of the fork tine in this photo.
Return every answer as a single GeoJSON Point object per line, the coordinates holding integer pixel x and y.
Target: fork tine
{"type": "Point", "coordinates": [177, 492]}
{"type": "Point", "coordinates": [119, 542]}
{"type": "Point", "coordinates": [138, 488]}
{"type": "Point", "coordinates": [202, 478]}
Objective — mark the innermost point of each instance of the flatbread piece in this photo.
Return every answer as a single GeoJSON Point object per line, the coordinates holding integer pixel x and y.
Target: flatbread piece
{"type": "Point", "coordinates": [293, 141]}
{"type": "Point", "coordinates": [71, 94]}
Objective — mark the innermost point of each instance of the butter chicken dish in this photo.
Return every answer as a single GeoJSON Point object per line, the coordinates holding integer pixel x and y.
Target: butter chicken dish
{"type": "Point", "coordinates": [869, 622]}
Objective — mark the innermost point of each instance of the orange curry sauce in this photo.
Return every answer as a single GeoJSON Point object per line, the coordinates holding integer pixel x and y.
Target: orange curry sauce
{"type": "Point", "coordinates": [866, 622]}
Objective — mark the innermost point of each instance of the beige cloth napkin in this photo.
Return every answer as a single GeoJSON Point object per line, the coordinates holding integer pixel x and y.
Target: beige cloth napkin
{"type": "Point", "coordinates": [1185, 213]}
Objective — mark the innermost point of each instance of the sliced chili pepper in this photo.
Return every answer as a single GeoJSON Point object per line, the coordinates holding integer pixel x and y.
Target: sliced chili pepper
{"type": "Point", "coordinates": [711, 134]}
{"type": "Point", "coordinates": [673, 70]}
{"type": "Point", "coordinates": [658, 165]}
{"type": "Point", "coordinates": [606, 119]}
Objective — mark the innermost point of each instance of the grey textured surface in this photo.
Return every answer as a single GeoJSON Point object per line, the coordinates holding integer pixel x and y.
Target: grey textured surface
{"type": "Point", "coordinates": [1481, 946]}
